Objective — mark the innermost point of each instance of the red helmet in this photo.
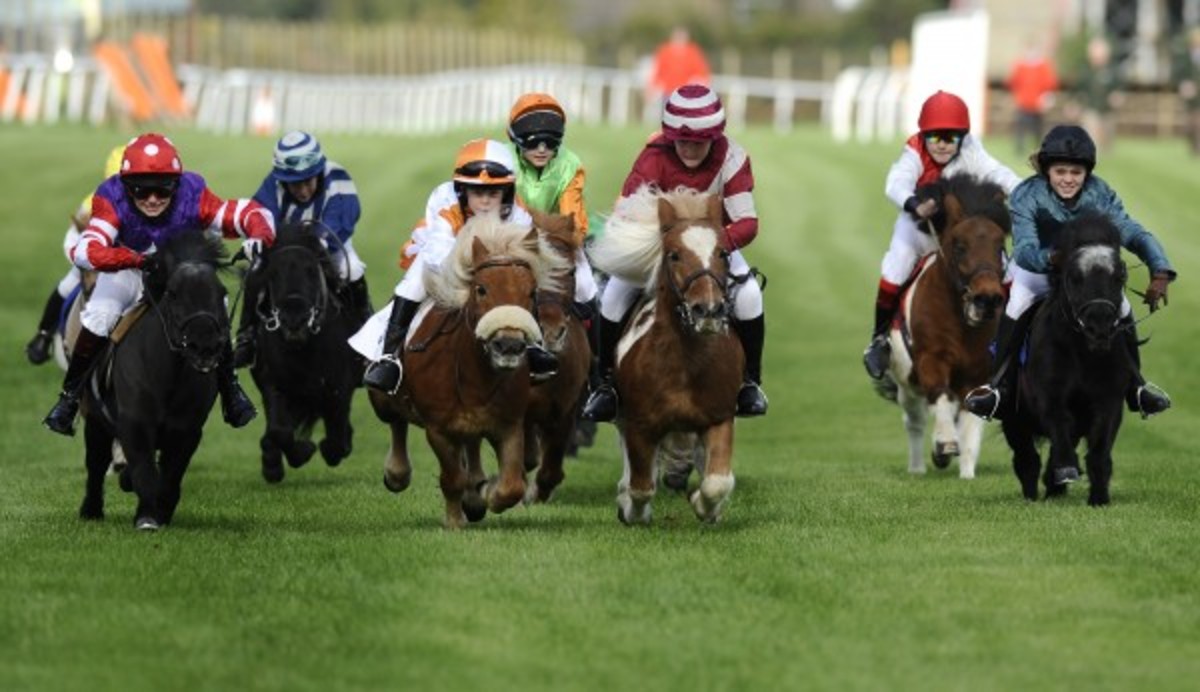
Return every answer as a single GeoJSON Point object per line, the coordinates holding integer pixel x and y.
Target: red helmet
{"type": "Point", "coordinates": [150, 154]}
{"type": "Point", "coordinates": [944, 111]}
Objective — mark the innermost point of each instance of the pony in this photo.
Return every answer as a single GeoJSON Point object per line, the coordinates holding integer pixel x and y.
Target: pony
{"type": "Point", "coordinates": [304, 369]}
{"type": "Point", "coordinates": [1072, 385]}
{"type": "Point", "coordinates": [678, 365]}
{"type": "Point", "coordinates": [466, 377]}
{"type": "Point", "coordinates": [554, 404]}
{"type": "Point", "coordinates": [154, 389]}
{"type": "Point", "coordinates": [950, 312]}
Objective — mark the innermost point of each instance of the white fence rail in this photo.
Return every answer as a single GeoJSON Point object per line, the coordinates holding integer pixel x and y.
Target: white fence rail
{"type": "Point", "coordinates": [36, 92]}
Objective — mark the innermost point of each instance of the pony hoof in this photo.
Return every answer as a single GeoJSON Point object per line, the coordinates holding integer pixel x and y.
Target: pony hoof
{"type": "Point", "coordinates": [333, 454]}
{"type": "Point", "coordinates": [1066, 475]}
{"type": "Point", "coordinates": [397, 484]}
{"type": "Point", "coordinates": [146, 524]}
{"type": "Point", "coordinates": [91, 511]}
{"type": "Point", "coordinates": [272, 472]}
{"type": "Point", "coordinates": [676, 481]}
{"type": "Point", "coordinates": [475, 509]}
{"type": "Point", "coordinates": [301, 453]}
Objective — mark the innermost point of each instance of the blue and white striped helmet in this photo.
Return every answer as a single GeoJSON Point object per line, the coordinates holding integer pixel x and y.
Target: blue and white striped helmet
{"type": "Point", "coordinates": [298, 157]}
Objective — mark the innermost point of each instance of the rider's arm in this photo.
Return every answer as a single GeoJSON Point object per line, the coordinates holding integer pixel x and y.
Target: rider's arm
{"type": "Point", "coordinates": [1027, 248]}
{"type": "Point", "coordinates": [342, 208]}
{"type": "Point", "coordinates": [1134, 236]}
{"type": "Point", "coordinates": [571, 203]}
{"type": "Point", "coordinates": [237, 218]}
{"type": "Point", "coordinates": [97, 248]}
{"type": "Point", "coordinates": [738, 199]}
{"type": "Point", "coordinates": [902, 177]}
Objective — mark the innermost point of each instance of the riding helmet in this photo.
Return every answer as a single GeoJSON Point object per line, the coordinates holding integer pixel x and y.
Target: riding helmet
{"type": "Point", "coordinates": [485, 163]}
{"type": "Point", "coordinates": [298, 156]}
{"type": "Point", "coordinates": [536, 114]}
{"type": "Point", "coordinates": [1067, 143]}
{"type": "Point", "coordinates": [150, 154]}
{"type": "Point", "coordinates": [944, 111]}
{"type": "Point", "coordinates": [693, 112]}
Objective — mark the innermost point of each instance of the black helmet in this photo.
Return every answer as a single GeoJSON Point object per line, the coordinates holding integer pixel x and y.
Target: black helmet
{"type": "Point", "coordinates": [1068, 143]}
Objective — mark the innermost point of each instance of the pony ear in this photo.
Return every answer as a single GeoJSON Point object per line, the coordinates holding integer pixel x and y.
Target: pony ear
{"type": "Point", "coordinates": [667, 216]}
{"type": "Point", "coordinates": [479, 251]}
{"type": "Point", "coordinates": [530, 241]}
{"type": "Point", "coordinates": [954, 210]}
{"type": "Point", "coordinates": [716, 210]}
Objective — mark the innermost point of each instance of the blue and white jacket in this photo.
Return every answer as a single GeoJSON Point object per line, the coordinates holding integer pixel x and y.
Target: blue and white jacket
{"type": "Point", "coordinates": [335, 204]}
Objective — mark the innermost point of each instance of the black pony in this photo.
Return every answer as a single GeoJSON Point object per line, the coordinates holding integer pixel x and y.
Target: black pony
{"type": "Point", "coordinates": [1074, 382]}
{"type": "Point", "coordinates": [154, 389]}
{"type": "Point", "coordinates": [305, 369]}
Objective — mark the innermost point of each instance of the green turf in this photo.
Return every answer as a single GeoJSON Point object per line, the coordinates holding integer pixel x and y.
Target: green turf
{"type": "Point", "coordinates": [834, 568]}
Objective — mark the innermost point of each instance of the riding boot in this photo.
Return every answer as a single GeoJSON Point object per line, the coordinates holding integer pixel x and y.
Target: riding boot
{"type": "Point", "coordinates": [38, 348]}
{"type": "Point", "coordinates": [878, 354]}
{"type": "Point", "coordinates": [1142, 397]}
{"type": "Point", "coordinates": [358, 300]}
{"type": "Point", "coordinates": [88, 346]}
{"type": "Point", "coordinates": [751, 400]}
{"type": "Point", "coordinates": [986, 401]}
{"type": "Point", "coordinates": [245, 348]}
{"type": "Point", "coordinates": [384, 374]}
{"type": "Point", "coordinates": [236, 407]}
{"type": "Point", "coordinates": [601, 406]}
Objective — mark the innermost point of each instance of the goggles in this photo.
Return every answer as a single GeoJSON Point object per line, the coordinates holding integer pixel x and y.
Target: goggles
{"type": "Point", "coordinates": [484, 170]}
{"type": "Point", "coordinates": [163, 189]}
{"type": "Point", "coordinates": [533, 140]}
{"type": "Point", "coordinates": [299, 162]}
{"type": "Point", "coordinates": [944, 136]}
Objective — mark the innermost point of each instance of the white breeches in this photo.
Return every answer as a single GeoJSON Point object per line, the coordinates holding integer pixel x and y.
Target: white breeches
{"type": "Point", "coordinates": [585, 281]}
{"type": "Point", "coordinates": [69, 281]}
{"type": "Point", "coordinates": [618, 295]}
{"type": "Point", "coordinates": [908, 245]}
{"type": "Point", "coordinates": [115, 292]}
{"type": "Point", "coordinates": [346, 261]}
{"type": "Point", "coordinates": [412, 286]}
{"type": "Point", "coordinates": [1028, 286]}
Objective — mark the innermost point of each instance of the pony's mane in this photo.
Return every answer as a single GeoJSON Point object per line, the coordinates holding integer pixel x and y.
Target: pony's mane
{"type": "Point", "coordinates": [631, 246]}
{"type": "Point", "coordinates": [189, 246]}
{"type": "Point", "coordinates": [1088, 229]}
{"type": "Point", "coordinates": [450, 286]}
{"type": "Point", "coordinates": [976, 197]}
{"type": "Point", "coordinates": [307, 235]}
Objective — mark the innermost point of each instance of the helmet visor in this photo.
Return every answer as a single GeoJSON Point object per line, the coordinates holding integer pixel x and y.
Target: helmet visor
{"type": "Point", "coordinates": [533, 140]}
{"type": "Point", "coordinates": [484, 172]}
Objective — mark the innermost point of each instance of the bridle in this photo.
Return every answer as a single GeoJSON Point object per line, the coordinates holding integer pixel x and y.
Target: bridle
{"type": "Point", "coordinates": [316, 311]}
{"type": "Point", "coordinates": [962, 283]}
{"type": "Point", "coordinates": [176, 334]}
{"type": "Point", "coordinates": [1073, 312]}
{"type": "Point", "coordinates": [679, 288]}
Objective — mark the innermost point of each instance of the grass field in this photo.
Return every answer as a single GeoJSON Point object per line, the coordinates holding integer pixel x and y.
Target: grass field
{"type": "Point", "coordinates": [834, 568]}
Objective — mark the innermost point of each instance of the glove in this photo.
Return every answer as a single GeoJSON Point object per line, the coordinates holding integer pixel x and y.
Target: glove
{"type": "Point", "coordinates": [1157, 290]}
{"type": "Point", "coordinates": [252, 250]}
{"type": "Point", "coordinates": [151, 264]}
{"type": "Point", "coordinates": [910, 206]}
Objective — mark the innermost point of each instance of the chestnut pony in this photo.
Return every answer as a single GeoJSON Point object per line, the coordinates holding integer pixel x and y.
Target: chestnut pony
{"type": "Point", "coordinates": [678, 365]}
{"type": "Point", "coordinates": [554, 404]}
{"type": "Point", "coordinates": [466, 378]}
{"type": "Point", "coordinates": [948, 318]}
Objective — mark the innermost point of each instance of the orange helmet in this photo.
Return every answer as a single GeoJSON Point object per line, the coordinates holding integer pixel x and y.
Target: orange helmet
{"type": "Point", "coordinates": [535, 118]}
{"type": "Point", "coordinates": [944, 111]}
{"type": "Point", "coordinates": [485, 162]}
{"type": "Point", "coordinates": [150, 154]}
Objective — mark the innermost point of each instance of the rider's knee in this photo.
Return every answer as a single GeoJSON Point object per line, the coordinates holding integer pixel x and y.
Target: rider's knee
{"type": "Point", "coordinates": [99, 321]}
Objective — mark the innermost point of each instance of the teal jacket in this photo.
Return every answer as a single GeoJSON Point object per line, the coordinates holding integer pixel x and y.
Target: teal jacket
{"type": "Point", "coordinates": [1038, 215]}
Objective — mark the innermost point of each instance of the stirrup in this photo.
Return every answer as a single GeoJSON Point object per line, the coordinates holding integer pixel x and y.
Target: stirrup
{"type": "Point", "coordinates": [983, 401]}
{"type": "Point", "coordinates": [751, 401]}
{"type": "Point", "coordinates": [236, 407]}
{"type": "Point", "coordinates": [601, 406]}
{"type": "Point", "coordinates": [377, 382]}
{"type": "Point", "coordinates": [61, 418]}
{"type": "Point", "coordinates": [1154, 395]}
{"type": "Point", "coordinates": [244, 351]}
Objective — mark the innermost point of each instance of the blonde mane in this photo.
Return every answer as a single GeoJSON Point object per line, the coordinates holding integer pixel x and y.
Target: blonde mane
{"type": "Point", "coordinates": [631, 246]}
{"type": "Point", "coordinates": [450, 286]}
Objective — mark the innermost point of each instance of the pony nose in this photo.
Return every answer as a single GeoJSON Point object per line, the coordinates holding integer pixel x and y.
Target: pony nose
{"type": "Point", "coordinates": [711, 311]}
{"type": "Point", "coordinates": [988, 303]}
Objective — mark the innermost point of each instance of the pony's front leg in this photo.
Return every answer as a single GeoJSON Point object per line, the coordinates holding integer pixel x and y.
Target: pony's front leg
{"type": "Point", "coordinates": [453, 478]}
{"type": "Point", "coordinates": [138, 441]}
{"type": "Point", "coordinates": [636, 489]}
{"type": "Point", "coordinates": [397, 468]}
{"type": "Point", "coordinates": [551, 446]}
{"type": "Point", "coordinates": [178, 448]}
{"type": "Point", "coordinates": [474, 506]}
{"type": "Point", "coordinates": [708, 500]}
{"type": "Point", "coordinates": [282, 422]}
{"type": "Point", "coordinates": [1025, 459]}
{"type": "Point", "coordinates": [970, 437]}
{"type": "Point", "coordinates": [98, 456]}
{"type": "Point", "coordinates": [1062, 467]}
{"type": "Point", "coordinates": [945, 439]}
{"type": "Point", "coordinates": [509, 487]}
{"type": "Point", "coordinates": [1100, 440]}
{"type": "Point", "coordinates": [339, 434]}
{"type": "Point", "coordinates": [916, 411]}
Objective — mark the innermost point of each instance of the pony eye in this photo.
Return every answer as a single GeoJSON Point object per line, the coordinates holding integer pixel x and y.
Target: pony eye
{"type": "Point", "coordinates": [480, 290]}
{"type": "Point", "coordinates": [673, 256]}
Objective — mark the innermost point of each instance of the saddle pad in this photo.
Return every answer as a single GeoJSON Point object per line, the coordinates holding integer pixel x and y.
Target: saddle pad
{"type": "Point", "coordinates": [128, 320]}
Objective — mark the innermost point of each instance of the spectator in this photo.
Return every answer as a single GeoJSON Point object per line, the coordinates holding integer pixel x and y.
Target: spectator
{"type": "Point", "coordinates": [1032, 82]}
{"type": "Point", "coordinates": [677, 62]}
{"type": "Point", "coordinates": [1186, 74]}
{"type": "Point", "coordinates": [1099, 93]}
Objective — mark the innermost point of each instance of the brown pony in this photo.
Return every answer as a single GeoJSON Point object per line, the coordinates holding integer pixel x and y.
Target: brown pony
{"type": "Point", "coordinates": [466, 378]}
{"type": "Point", "coordinates": [679, 367]}
{"type": "Point", "coordinates": [554, 404]}
{"type": "Point", "coordinates": [949, 317]}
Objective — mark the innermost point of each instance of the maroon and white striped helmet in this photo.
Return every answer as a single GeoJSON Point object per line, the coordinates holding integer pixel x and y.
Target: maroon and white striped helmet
{"type": "Point", "coordinates": [693, 112]}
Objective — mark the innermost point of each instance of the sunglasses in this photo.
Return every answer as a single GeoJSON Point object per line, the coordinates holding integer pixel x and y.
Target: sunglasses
{"type": "Point", "coordinates": [143, 191]}
{"type": "Point", "coordinates": [944, 136]}
{"type": "Point", "coordinates": [484, 169]}
{"type": "Point", "coordinates": [533, 141]}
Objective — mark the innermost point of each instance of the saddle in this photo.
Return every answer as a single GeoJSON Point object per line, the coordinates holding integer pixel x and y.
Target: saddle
{"type": "Point", "coordinates": [130, 318]}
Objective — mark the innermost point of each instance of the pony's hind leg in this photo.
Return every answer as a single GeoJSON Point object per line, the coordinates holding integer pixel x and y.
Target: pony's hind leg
{"type": "Point", "coordinates": [970, 435]}
{"type": "Point", "coordinates": [339, 434]}
{"type": "Point", "coordinates": [98, 455]}
{"type": "Point", "coordinates": [272, 460]}
{"type": "Point", "coordinates": [916, 412]}
{"type": "Point", "coordinates": [397, 468]}
{"type": "Point", "coordinates": [709, 499]}
{"type": "Point", "coordinates": [550, 473]}
{"type": "Point", "coordinates": [635, 491]}
{"type": "Point", "coordinates": [945, 439]}
{"type": "Point", "coordinates": [1026, 461]}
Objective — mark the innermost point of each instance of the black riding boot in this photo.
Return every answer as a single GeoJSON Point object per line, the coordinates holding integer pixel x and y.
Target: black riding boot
{"type": "Point", "coordinates": [247, 336]}
{"type": "Point", "coordinates": [986, 401]}
{"type": "Point", "coordinates": [236, 407]}
{"type": "Point", "coordinates": [878, 354]}
{"type": "Point", "coordinates": [384, 374]}
{"type": "Point", "coordinates": [601, 406]}
{"type": "Point", "coordinates": [88, 346]}
{"type": "Point", "coordinates": [38, 348]}
{"type": "Point", "coordinates": [357, 299]}
{"type": "Point", "coordinates": [1143, 397]}
{"type": "Point", "coordinates": [751, 400]}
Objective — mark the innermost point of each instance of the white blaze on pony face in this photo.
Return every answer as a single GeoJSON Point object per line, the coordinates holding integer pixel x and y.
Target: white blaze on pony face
{"type": "Point", "coordinates": [1096, 257]}
{"type": "Point", "coordinates": [702, 242]}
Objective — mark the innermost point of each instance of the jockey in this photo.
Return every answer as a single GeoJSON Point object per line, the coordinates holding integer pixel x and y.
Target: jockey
{"type": "Point", "coordinates": [302, 186]}
{"type": "Point", "coordinates": [38, 348]}
{"type": "Point", "coordinates": [151, 200]}
{"type": "Point", "coordinates": [692, 151]}
{"type": "Point", "coordinates": [483, 184]}
{"type": "Point", "coordinates": [1065, 188]}
{"type": "Point", "coordinates": [943, 147]}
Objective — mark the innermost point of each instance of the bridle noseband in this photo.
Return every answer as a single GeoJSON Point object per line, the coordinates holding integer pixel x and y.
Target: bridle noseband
{"type": "Point", "coordinates": [316, 311]}
{"type": "Point", "coordinates": [177, 334]}
{"type": "Point", "coordinates": [678, 289]}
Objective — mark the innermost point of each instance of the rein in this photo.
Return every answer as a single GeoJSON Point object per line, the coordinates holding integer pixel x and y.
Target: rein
{"type": "Point", "coordinates": [180, 345]}
{"type": "Point", "coordinates": [316, 312]}
{"type": "Point", "coordinates": [962, 286]}
{"type": "Point", "coordinates": [465, 314]}
{"type": "Point", "coordinates": [679, 289]}
{"type": "Point", "coordinates": [1072, 311]}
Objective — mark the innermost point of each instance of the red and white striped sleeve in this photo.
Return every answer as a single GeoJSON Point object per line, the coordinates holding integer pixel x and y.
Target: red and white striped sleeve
{"type": "Point", "coordinates": [738, 195]}
{"type": "Point", "coordinates": [237, 218]}
{"type": "Point", "coordinates": [96, 248]}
